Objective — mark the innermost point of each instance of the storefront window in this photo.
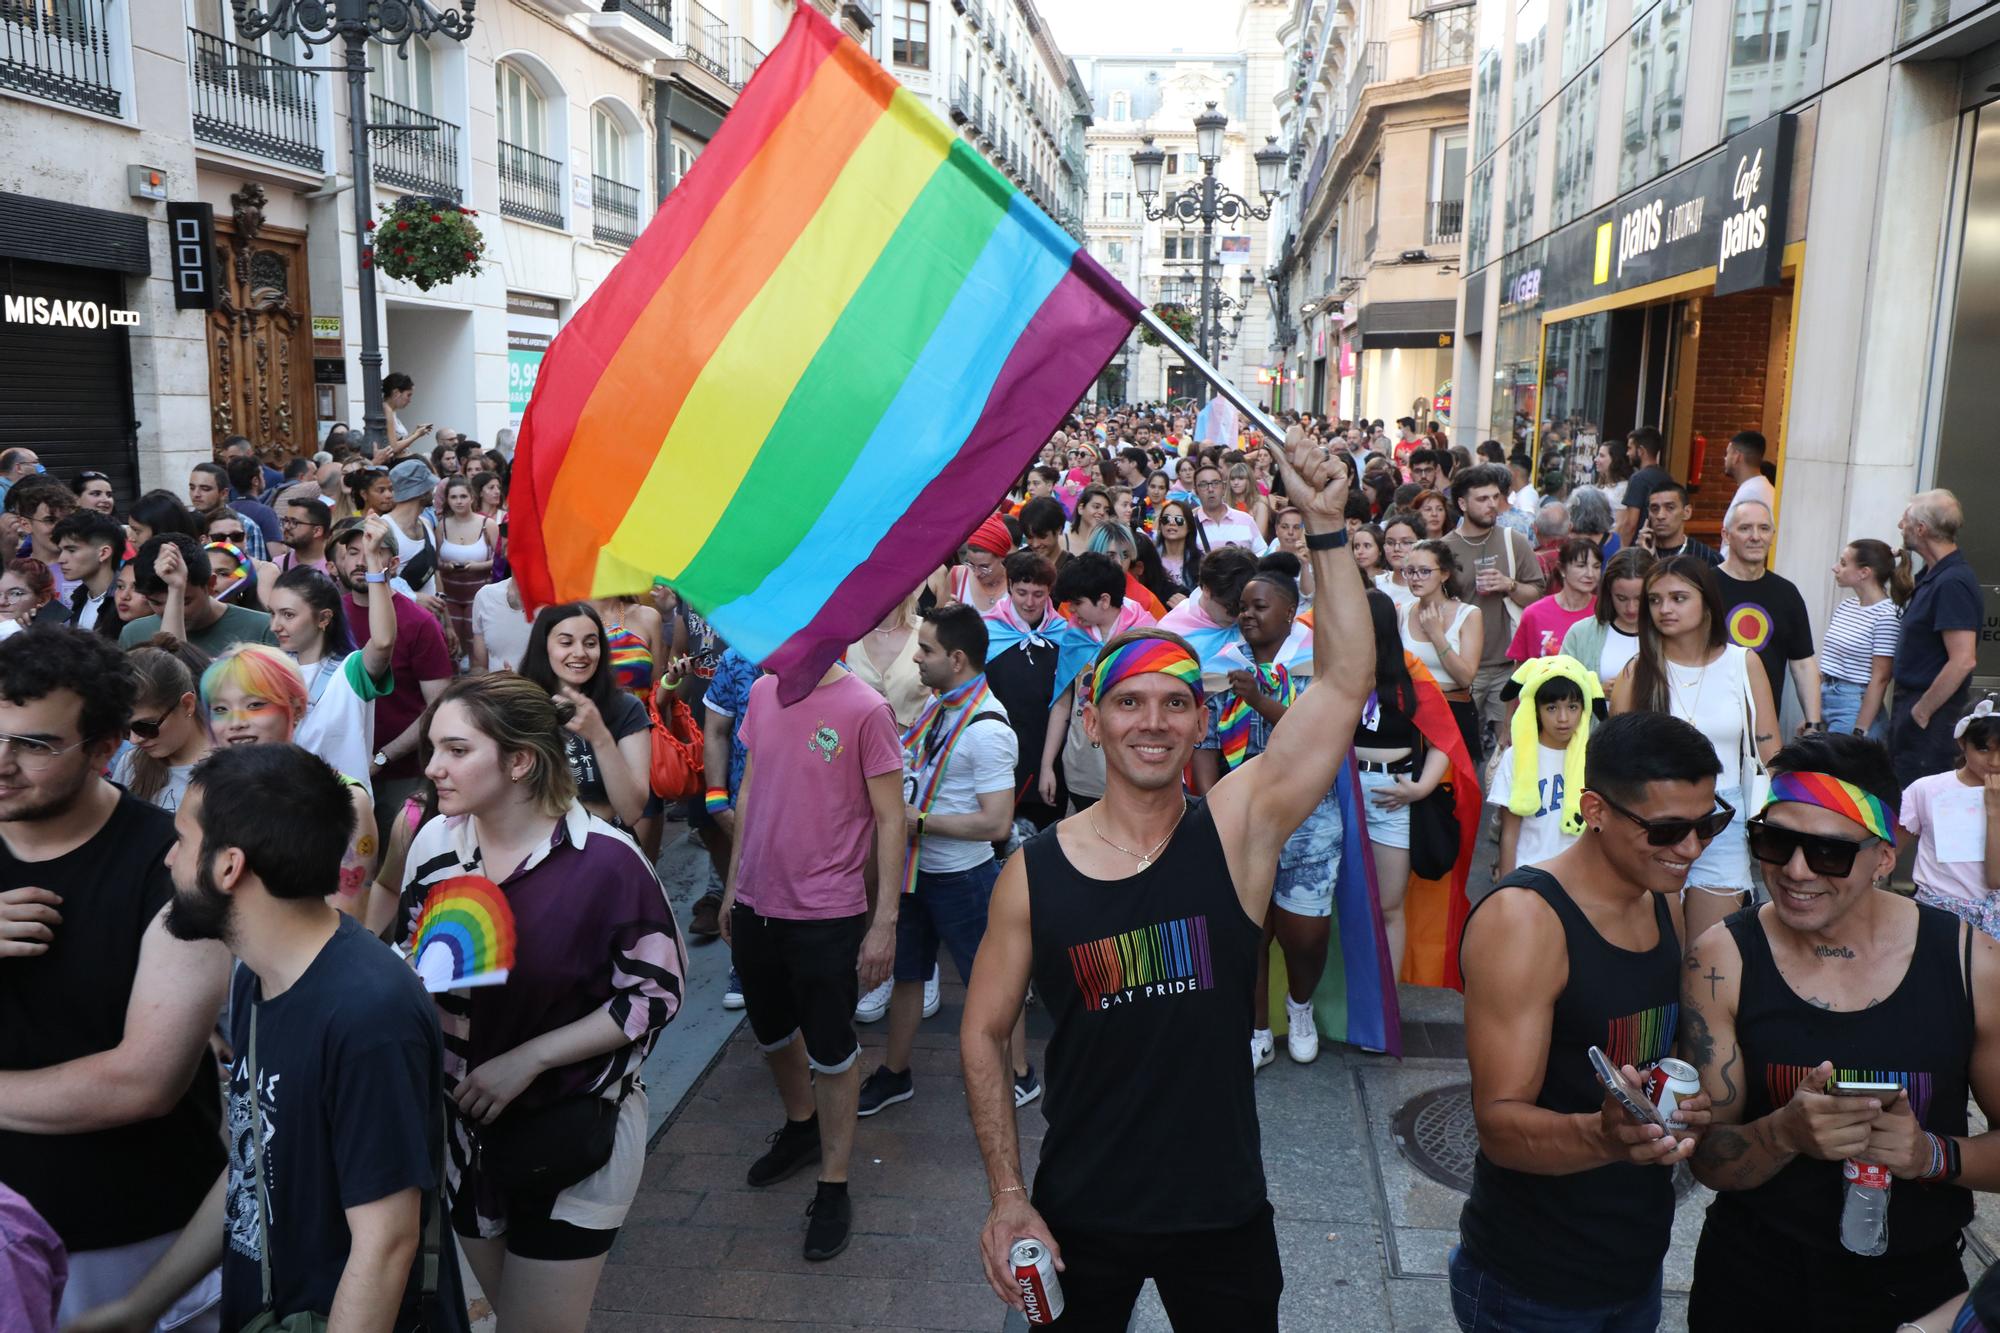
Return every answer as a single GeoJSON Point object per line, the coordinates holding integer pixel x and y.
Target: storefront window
{"type": "Point", "coordinates": [1655, 87]}
{"type": "Point", "coordinates": [1523, 158]}
{"type": "Point", "coordinates": [1479, 216]}
{"type": "Point", "coordinates": [1576, 149]}
{"type": "Point", "coordinates": [1486, 93]}
{"type": "Point", "coordinates": [1574, 371]}
{"type": "Point", "coordinates": [1777, 52]}
{"type": "Point", "coordinates": [1583, 34]}
{"type": "Point", "coordinates": [1517, 350]}
{"type": "Point", "coordinates": [1531, 33]}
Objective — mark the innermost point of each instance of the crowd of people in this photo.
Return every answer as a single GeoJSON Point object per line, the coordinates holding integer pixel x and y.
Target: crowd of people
{"type": "Point", "coordinates": [1108, 758]}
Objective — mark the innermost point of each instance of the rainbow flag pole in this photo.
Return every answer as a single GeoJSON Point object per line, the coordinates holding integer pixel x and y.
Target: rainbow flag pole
{"type": "Point", "coordinates": [1200, 366]}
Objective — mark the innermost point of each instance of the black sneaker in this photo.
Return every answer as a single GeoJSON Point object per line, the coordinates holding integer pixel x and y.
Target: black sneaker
{"type": "Point", "coordinates": [1026, 1088]}
{"type": "Point", "coordinates": [883, 1088]}
{"type": "Point", "coordinates": [792, 1147]}
{"type": "Point", "coordinates": [829, 1220]}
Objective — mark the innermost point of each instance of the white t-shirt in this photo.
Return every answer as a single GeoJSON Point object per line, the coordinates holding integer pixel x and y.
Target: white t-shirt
{"type": "Point", "coordinates": [408, 548]}
{"type": "Point", "coordinates": [339, 724]}
{"type": "Point", "coordinates": [1541, 833]}
{"type": "Point", "coordinates": [1395, 591]}
{"type": "Point", "coordinates": [1525, 500]}
{"type": "Point", "coordinates": [1757, 488]}
{"type": "Point", "coordinates": [1619, 649]}
{"type": "Point", "coordinates": [1949, 819]}
{"type": "Point", "coordinates": [1232, 529]}
{"type": "Point", "coordinates": [504, 628]}
{"type": "Point", "coordinates": [981, 763]}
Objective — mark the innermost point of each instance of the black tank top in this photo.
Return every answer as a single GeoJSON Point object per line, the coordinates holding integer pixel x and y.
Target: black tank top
{"type": "Point", "coordinates": [1592, 1237]}
{"type": "Point", "coordinates": [1151, 1107]}
{"type": "Point", "coordinates": [1920, 1037]}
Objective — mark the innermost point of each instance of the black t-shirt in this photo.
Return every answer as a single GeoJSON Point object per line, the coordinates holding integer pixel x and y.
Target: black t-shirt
{"type": "Point", "coordinates": [1641, 487]}
{"type": "Point", "coordinates": [1768, 617]}
{"type": "Point", "coordinates": [625, 716]}
{"type": "Point", "coordinates": [1023, 679]}
{"type": "Point", "coordinates": [116, 1186]}
{"type": "Point", "coordinates": [351, 1068]}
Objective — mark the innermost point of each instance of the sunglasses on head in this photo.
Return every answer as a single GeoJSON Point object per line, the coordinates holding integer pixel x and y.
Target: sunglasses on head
{"type": "Point", "coordinates": [1671, 832]}
{"type": "Point", "coordinates": [1773, 844]}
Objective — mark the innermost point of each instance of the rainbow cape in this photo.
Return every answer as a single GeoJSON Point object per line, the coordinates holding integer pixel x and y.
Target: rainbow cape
{"type": "Point", "coordinates": [464, 936]}
{"type": "Point", "coordinates": [1075, 650]}
{"type": "Point", "coordinates": [841, 338]}
{"type": "Point", "coordinates": [1355, 1000]}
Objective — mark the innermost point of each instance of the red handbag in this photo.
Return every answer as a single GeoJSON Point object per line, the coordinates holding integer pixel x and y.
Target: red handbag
{"type": "Point", "coordinates": [676, 770]}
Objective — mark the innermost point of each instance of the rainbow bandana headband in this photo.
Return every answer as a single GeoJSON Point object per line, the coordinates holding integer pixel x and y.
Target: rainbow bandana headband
{"type": "Point", "coordinates": [1830, 793]}
{"type": "Point", "coordinates": [1141, 656]}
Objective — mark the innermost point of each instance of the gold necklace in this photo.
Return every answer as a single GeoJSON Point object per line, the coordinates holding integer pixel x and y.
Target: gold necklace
{"type": "Point", "coordinates": [1147, 859]}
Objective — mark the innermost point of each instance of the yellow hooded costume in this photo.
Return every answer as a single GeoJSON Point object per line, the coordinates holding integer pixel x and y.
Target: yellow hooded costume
{"type": "Point", "coordinates": [1527, 682]}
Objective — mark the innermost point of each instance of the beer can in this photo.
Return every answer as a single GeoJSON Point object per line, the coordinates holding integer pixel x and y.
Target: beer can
{"type": "Point", "coordinates": [1035, 1274]}
{"type": "Point", "coordinates": [1670, 1081]}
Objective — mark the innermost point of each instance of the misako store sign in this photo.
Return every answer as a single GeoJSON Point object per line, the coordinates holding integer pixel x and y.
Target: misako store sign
{"type": "Point", "coordinates": [1727, 210]}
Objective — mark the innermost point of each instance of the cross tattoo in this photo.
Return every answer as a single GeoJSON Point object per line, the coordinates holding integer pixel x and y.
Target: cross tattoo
{"type": "Point", "coordinates": [1712, 977]}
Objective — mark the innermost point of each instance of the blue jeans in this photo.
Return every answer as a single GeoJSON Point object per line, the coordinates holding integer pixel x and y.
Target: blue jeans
{"type": "Point", "coordinates": [1841, 701]}
{"type": "Point", "coordinates": [948, 908]}
{"type": "Point", "coordinates": [1484, 1304]}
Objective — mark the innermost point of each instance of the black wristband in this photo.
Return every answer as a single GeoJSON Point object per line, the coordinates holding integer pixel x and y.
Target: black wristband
{"type": "Point", "coordinates": [1326, 541]}
{"type": "Point", "coordinates": [1952, 1165]}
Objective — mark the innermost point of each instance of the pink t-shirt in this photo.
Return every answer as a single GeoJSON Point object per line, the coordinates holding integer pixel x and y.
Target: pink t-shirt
{"type": "Point", "coordinates": [1543, 624]}
{"type": "Point", "coordinates": [808, 827]}
{"type": "Point", "coordinates": [1949, 819]}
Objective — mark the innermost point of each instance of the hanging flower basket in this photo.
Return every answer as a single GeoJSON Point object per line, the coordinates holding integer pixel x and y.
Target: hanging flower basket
{"type": "Point", "coordinates": [1177, 317]}
{"type": "Point", "coordinates": [427, 241]}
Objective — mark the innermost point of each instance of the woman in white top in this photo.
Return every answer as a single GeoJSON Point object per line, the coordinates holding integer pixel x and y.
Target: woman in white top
{"type": "Point", "coordinates": [1443, 633]}
{"type": "Point", "coordinates": [1860, 643]}
{"type": "Point", "coordinates": [467, 541]}
{"type": "Point", "coordinates": [1401, 531]}
{"type": "Point", "coordinates": [1688, 667]}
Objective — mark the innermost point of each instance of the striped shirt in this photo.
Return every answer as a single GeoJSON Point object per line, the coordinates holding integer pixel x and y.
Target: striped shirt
{"type": "Point", "coordinates": [1856, 633]}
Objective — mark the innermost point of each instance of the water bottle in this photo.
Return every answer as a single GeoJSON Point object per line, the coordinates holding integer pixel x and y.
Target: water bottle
{"type": "Point", "coordinates": [1864, 1217]}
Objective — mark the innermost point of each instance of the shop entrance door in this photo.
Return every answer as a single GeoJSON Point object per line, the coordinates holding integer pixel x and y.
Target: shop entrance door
{"type": "Point", "coordinates": [259, 334]}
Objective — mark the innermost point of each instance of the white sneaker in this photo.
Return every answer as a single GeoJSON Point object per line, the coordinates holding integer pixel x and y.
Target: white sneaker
{"type": "Point", "coordinates": [1302, 1039]}
{"type": "Point", "coordinates": [875, 1003]}
{"type": "Point", "coordinates": [933, 1001]}
{"type": "Point", "coordinates": [1263, 1049]}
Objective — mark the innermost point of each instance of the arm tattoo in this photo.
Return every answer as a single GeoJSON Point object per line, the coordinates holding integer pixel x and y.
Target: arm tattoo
{"type": "Point", "coordinates": [1695, 1038]}
{"type": "Point", "coordinates": [1729, 1097]}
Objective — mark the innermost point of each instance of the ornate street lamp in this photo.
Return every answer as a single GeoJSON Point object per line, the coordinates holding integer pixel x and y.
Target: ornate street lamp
{"type": "Point", "coordinates": [392, 23]}
{"type": "Point", "coordinates": [1206, 202]}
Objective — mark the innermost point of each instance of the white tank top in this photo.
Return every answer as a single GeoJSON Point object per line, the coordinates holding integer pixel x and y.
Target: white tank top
{"type": "Point", "coordinates": [1714, 699]}
{"type": "Point", "coordinates": [1426, 652]}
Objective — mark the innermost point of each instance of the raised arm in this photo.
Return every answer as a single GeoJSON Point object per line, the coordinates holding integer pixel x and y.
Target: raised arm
{"type": "Point", "coordinates": [1259, 805]}
{"type": "Point", "coordinates": [381, 645]}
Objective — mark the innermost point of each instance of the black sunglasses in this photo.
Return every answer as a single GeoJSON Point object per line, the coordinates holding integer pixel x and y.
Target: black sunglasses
{"type": "Point", "coordinates": [146, 728]}
{"type": "Point", "coordinates": [1773, 844]}
{"type": "Point", "coordinates": [1669, 832]}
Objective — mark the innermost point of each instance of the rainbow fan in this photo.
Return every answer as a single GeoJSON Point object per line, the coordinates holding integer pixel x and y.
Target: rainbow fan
{"type": "Point", "coordinates": [465, 936]}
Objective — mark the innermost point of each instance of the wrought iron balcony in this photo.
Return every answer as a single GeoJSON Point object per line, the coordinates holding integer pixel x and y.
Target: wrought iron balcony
{"type": "Point", "coordinates": [961, 102]}
{"type": "Point", "coordinates": [747, 56]}
{"type": "Point", "coordinates": [1449, 39]}
{"type": "Point", "coordinates": [61, 52]}
{"type": "Point", "coordinates": [614, 208]}
{"type": "Point", "coordinates": [708, 40]}
{"type": "Point", "coordinates": [1372, 67]}
{"type": "Point", "coordinates": [655, 14]}
{"type": "Point", "coordinates": [243, 99]}
{"type": "Point", "coordinates": [423, 158]}
{"type": "Point", "coordinates": [530, 186]}
{"type": "Point", "coordinates": [1447, 222]}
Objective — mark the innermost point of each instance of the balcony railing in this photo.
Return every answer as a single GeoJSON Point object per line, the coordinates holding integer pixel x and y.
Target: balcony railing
{"type": "Point", "coordinates": [244, 100]}
{"type": "Point", "coordinates": [423, 158]}
{"type": "Point", "coordinates": [748, 55]}
{"type": "Point", "coordinates": [1372, 67]}
{"type": "Point", "coordinates": [655, 14]}
{"type": "Point", "coordinates": [61, 52]}
{"type": "Point", "coordinates": [1447, 222]}
{"type": "Point", "coordinates": [614, 208]}
{"type": "Point", "coordinates": [530, 186]}
{"type": "Point", "coordinates": [708, 41]}
{"type": "Point", "coordinates": [976, 11]}
{"type": "Point", "coordinates": [1448, 40]}
{"type": "Point", "coordinates": [961, 102]}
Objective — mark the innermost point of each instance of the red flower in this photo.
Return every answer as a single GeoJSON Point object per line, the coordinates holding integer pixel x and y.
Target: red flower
{"type": "Point", "coordinates": [437, 217]}
{"type": "Point", "coordinates": [368, 260]}
{"type": "Point", "coordinates": [470, 256]}
{"type": "Point", "coordinates": [402, 226]}
{"type": "Point", "coordinates": [371, 224]}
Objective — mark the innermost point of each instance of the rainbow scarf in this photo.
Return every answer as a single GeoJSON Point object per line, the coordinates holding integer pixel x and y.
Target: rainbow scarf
{"type": "Point", "coordinates": [930, 743]}
{"type": "Point", "coordinates": [1232, 727]}
{"type": "Point", "coordinates": [843, 305]}
{"type": "Point", "coordinates": [1831, 793]}
{"type": "Point", "coordinates": [1073, 646]}
{"type": "Point", "coordinates": [1139, 657]}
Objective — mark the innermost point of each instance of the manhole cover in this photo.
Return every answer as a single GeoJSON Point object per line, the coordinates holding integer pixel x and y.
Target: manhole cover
{"type": "Point", "coordinates": [1435, 1131]}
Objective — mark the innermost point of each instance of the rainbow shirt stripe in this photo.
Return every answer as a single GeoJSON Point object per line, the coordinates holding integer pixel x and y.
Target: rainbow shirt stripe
{"type": "Point", "coordinates": [1166, 958]}
{"type": "Point", "coordinates": [1781, 1081]}
{"type": "Point", "coordinates": [1642, 1039]}
{"type": "Point", "coordinates": [839, 340]}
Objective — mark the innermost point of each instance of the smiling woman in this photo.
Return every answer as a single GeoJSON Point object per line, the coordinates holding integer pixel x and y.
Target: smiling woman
{"type": "Point", "coordinates": [605, 729]}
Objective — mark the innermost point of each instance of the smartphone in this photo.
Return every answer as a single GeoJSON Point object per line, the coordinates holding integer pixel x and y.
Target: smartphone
{"type": "Point", "coordinates": [1637, 1105]}
{"type": "Point", "coordinates": [1843, 1088]}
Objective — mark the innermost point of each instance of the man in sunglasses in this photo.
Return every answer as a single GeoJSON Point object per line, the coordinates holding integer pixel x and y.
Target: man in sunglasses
{"type": "Point", "coordinates": [1785, 1008]}
{"type": "Point", "coordinates": [1572, 1198]}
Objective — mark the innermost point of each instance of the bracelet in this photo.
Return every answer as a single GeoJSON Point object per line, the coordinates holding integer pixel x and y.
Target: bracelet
{"type": "Point", "coordinates": [1011, 1189]}
{"type": "Point", "coordinates": [715, 800]}
{"type": "Point", "coordinates": [1952, 1165]}
{"type": "Point", "coordinates": [1936, 1169]}
{"type": "Point", "coordinates": [1326, 541]}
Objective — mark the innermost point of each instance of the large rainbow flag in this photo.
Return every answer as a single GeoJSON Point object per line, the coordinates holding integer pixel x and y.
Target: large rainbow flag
{"type": "Point", "coordinates": [838, 342]}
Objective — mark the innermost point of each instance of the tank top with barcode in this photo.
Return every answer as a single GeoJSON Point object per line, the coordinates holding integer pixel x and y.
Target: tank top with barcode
{"type": "Point", "coordinates": [1592, 1237]}
{"type": "Point", "coordinates": [1151, 1108]}
{"type": "Point", "coordinates": [1920, 1037]}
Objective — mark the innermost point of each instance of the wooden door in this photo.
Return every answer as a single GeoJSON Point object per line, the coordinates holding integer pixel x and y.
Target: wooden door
{"type": "Point", "coordinates": [260, 333]}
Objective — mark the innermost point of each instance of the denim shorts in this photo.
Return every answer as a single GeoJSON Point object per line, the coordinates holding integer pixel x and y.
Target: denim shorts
{"type": "Point", "coordinates": [1309, 861]}
{"type": "Point", "coordinates": [1391, 828]}
{"type": "Point", "coordinates": [1841, 702]}
{"type": "Point", "coordinates": [948, 908]}
{"type": "Point", "coordinates": [1482, 1303]}
{"type": "Point", "coordinates": [1725, 862]}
